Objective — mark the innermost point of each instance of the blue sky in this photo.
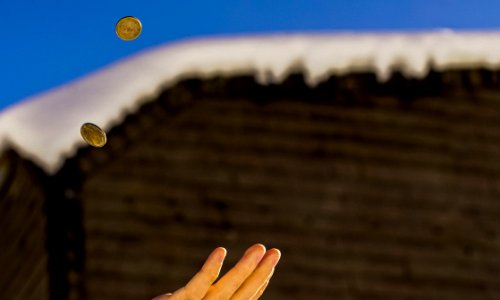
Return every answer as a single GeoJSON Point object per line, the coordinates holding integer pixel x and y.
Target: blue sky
{"type": "Point", "coordinates": [46, 43]}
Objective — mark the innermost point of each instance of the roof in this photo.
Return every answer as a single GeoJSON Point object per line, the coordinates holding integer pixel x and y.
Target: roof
{"type": "Point", "coordinates": [46, 128]}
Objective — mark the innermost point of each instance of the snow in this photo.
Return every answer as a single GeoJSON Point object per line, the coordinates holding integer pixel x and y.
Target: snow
{"type": "Point", "coordinates": [46, 128]}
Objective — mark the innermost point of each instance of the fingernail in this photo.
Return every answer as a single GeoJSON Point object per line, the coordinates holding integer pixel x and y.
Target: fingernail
{"type": "Point", "coordinates": [254, 246]}
{"type": "Point", "coordinates": [260, 254]}
{"type": "Point", "coordinates": [276, 258]}
{"type": "Point", "coordinates": [221, 254]}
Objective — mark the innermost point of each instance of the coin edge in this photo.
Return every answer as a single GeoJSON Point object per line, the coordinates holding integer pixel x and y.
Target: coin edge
{"type": "Point", "coordinates": [105, 140]}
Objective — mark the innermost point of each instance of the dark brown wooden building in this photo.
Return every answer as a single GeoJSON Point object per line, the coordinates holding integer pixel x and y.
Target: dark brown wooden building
{"type": "Point", "coordinates": [372, 189]}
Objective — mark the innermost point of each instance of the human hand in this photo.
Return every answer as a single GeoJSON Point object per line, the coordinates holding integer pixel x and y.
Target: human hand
{"type": "Point", "coordinates": [247, 280]}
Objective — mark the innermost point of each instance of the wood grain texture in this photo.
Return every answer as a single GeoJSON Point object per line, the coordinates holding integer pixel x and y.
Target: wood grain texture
{"type": "Point", "coordinates": [368, 195]}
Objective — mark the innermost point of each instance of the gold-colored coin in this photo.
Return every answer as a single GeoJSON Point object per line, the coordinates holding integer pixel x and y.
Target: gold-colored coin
{"type": "Point", "coordinates": [93, 135]}
{"type": "Point", "coordinates": [128, 28]}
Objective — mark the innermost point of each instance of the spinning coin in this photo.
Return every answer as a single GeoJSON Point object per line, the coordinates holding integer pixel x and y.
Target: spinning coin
{"type": "Point", "coordinates": [93, 135]}
{"type": "Point", "coordinates": [128, 28]}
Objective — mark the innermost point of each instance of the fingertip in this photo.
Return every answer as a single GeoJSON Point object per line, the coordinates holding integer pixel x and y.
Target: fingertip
{"type": "Point", "coordinates": [220, 254]}
{"type": "Point", "coordinates": [276, 250]}
{"type": "Point", "coordinates": [221, 249]}
{"type": "Point", "coordinates": [275, 254]}
{"type": "Point", "coordinates": [257, 247]}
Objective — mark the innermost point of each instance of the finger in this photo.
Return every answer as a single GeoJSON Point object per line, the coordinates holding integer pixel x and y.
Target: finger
{"type": "Point", "coordinates": [201, 282]}
{"type": "Point", "coordinates": [261, 291]}
{"type": "Point", "coordinates": [258, 278]}
{"type": "Point", "coordinates": [233, 279]}
{"type": "Point", "coordinates": [163, 297]}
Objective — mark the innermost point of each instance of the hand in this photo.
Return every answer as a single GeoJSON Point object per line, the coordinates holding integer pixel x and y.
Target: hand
{"type": "Point", "coordinates": [247, 280]}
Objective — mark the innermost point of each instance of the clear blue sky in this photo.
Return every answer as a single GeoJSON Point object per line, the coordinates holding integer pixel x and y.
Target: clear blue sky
{"type": "Point", "coordinates": [46, 43]}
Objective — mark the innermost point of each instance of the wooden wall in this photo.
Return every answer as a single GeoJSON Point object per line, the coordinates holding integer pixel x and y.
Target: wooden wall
{"type": "Point", "coordinates": [23, 254]}
{"type": "Point", "coordinates": [371, 192]}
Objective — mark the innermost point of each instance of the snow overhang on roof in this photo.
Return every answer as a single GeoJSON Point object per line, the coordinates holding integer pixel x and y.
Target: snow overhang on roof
{"type": "Point", "coordinates": [45, 128]}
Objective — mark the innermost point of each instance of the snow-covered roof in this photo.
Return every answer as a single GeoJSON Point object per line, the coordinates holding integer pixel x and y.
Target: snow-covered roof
{"type": "Point", "coordinates": [46, 128]}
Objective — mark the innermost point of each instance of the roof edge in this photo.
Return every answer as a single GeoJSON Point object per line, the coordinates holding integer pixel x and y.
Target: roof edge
{"type": "Point", "coordinates": [45, 128]}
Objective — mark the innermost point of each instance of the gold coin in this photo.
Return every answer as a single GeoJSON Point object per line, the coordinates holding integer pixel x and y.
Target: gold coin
{"type": "Point", "coordinates": [128, 28]}
{"type": "Point", "coordinates": [93, 135]}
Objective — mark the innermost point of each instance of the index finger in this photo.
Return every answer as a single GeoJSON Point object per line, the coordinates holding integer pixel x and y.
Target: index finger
{"type": "Point", "coordinates": [198, 286]}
